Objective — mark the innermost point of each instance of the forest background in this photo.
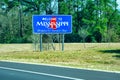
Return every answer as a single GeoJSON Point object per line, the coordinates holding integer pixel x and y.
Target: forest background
{"type": "Point", "coordinates": [93, 20]}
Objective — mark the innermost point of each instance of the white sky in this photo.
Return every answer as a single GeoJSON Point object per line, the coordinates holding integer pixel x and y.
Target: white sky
{"type": "Point", "coordinates": [118, 1]}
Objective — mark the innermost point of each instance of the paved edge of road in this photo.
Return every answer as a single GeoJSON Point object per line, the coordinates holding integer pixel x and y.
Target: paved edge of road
{"type": "Point", "coordinates": [39, 73]}
{"type": "Point", "coordinates": [61, 66]}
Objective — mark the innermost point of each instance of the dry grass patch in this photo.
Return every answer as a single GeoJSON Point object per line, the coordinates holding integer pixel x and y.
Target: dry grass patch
{"type": "Point", "coordinates": [93, 55]}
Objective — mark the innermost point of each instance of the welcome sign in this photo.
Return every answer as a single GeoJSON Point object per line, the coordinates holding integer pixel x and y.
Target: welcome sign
{"type": "Point", "coordinates": [52, 24]}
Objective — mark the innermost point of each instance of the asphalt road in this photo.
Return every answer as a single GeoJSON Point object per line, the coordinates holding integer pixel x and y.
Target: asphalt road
{"type": "Point", "coordinates": [22, 71]}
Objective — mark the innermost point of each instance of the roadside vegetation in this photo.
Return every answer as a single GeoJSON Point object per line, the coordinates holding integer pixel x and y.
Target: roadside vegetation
{"type": "Point", "coordinates": [103, 56]}
{"type": "Point", "coordinates": [92, 20]}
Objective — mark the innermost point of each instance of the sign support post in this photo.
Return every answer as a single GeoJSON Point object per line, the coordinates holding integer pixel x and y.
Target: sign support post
{"type": "Point", "coordinates": [40, 42]}
{"type": "Point", "coordinates": [62, 42]}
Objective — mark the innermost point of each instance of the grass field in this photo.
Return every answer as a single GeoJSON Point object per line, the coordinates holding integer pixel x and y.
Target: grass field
{"type": "Point", "coordinates": [103, 56]}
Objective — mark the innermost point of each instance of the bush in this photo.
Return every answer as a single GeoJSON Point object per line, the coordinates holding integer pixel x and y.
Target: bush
{"type": "Point", "coordinates": [73, 38]}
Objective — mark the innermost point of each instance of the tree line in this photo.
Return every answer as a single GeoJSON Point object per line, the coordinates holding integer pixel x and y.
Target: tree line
{"type": "Point", "coordinates": [93, 20]}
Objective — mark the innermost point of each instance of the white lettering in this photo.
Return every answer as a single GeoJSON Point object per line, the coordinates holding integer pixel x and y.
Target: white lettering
{"type": "Point", "coordinates": [47, 24]}
{"type": "Point", "coordinates": [39, 24]}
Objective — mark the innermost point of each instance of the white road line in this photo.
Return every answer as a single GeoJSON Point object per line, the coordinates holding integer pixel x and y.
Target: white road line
{"type": "Point", "coordinates": [39, 73]}
{"type": "Point", "coordinates": [61, 66]}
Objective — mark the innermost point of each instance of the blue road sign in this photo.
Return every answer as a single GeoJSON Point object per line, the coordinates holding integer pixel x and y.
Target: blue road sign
{"type": "Point", "coordinates": [52, 24]}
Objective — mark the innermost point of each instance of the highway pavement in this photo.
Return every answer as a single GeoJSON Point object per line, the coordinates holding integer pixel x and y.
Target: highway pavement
{"type": "Point", "coordinates": [23, 71]}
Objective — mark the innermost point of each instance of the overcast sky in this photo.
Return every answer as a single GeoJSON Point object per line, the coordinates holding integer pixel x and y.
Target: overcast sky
{"type": "Point", "coordinates": [118, 1]}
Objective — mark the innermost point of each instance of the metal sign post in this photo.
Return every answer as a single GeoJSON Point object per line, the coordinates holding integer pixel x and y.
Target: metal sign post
{"type": "Point", "coordinates": [40, 42]}
{"type": "Point", "coordinates": [62, 42]}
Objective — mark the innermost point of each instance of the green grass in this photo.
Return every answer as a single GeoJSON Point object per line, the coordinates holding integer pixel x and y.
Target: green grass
{"type": "Point", "coordinates": [102, 56]}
